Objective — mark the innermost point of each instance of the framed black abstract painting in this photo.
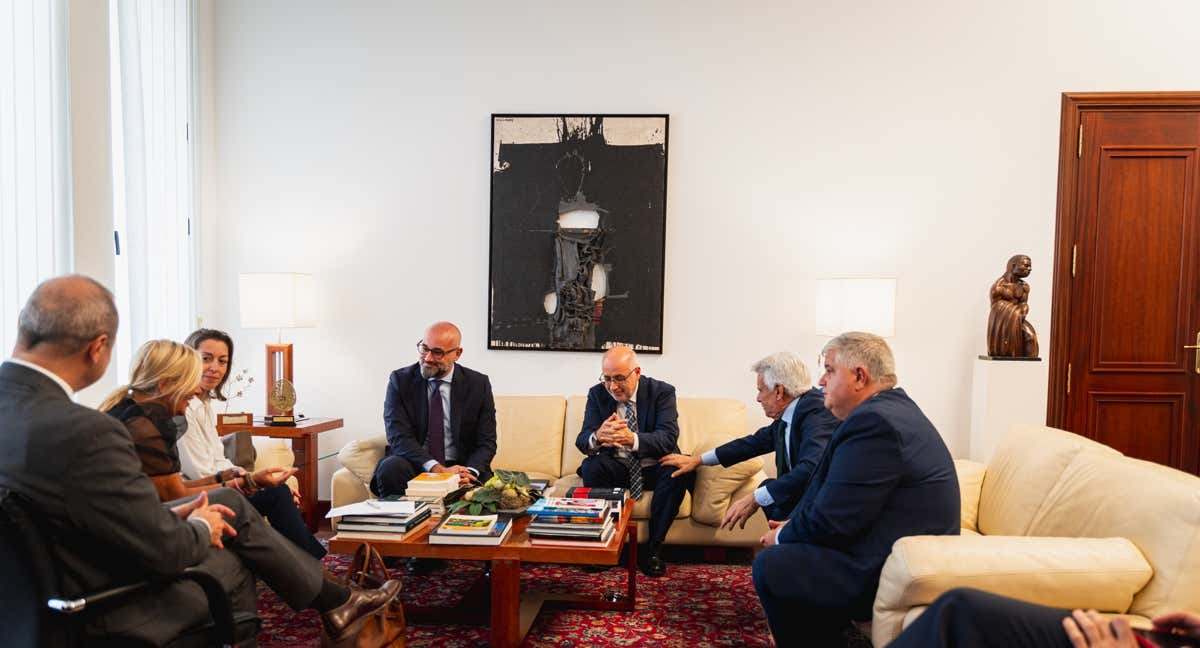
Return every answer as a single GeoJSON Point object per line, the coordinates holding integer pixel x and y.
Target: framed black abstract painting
{"type": "Point", "coordinates": [578, 230]}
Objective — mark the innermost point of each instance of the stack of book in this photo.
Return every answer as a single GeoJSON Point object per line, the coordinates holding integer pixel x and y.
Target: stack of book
{"type": "Point", "coordinates": [615, 496]}
{"type": "Point", "coordinates": [381, 520]}
{"type": "Point", "coordinates": [432, 484]}
{"type": "Point", "coordinates": [568, 521]}
{"type": "Point", "coordinates": [437, 505]}
{"type": "Point", "coordinates": [471, 530]}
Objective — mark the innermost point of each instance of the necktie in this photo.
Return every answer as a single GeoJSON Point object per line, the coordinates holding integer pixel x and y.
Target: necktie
{"type": "Point", "coordinates": [437, 417]}
{"type": "Point", "coordinates": [631, 460]}
{"type": "Point", "coordinates": [782, 460]}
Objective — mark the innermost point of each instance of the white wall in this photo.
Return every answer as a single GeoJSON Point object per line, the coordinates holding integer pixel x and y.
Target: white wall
{"type": "Point", "coordinates": [914, 139]}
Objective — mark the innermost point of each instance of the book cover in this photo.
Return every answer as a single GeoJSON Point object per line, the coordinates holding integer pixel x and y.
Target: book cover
{"type": "Point", "coordinates": [613, 494]}
{"type": "Point", "coordinates": [499, 533]}
{"type": "Point", "coordinates": [467, 524]}
{"type": "Point", "coordinates": [374, 535]}
{"type": "Point", "coordinates": [435, 478]}
{"type": "Point", "coordinates": [569, 507]}
{"type": "Point", "coordinates": [550, 518]}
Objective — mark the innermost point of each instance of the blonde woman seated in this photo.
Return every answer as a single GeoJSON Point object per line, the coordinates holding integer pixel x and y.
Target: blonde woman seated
{"type": "Point", "coordinates": [165, 375]}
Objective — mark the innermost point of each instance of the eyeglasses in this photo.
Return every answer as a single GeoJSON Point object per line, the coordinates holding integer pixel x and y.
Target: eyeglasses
{"type": "Point", "coordinates": [617, 379]}
{"type": "Point", "coordinates": [437, 354]}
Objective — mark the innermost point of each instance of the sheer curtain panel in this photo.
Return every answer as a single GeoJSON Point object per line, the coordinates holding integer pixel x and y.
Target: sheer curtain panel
{"type": "Point", "coordinates": [35, 199]}
{"type": "Point", "coordinates": [153, 98]}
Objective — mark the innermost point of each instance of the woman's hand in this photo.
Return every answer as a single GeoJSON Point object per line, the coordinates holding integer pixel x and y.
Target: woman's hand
{"type": "Point", "coordinates": [271, 477]}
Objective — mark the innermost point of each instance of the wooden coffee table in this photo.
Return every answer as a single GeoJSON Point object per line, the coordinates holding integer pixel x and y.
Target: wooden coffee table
{"type": "Point", "coordinates": [510, 617]}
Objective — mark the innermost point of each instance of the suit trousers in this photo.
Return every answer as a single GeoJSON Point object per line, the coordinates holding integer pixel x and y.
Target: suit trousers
{"type": "Point", "coordinates": [276, 504]}
{"type": "Point", "coordinates": [811, 593]}
{"type": "Point", "coordinates": [604, 470]}
{"type": "Point", "coordinates": [967, 617]}
{"type": "Point", "coordinates": [256, 550]}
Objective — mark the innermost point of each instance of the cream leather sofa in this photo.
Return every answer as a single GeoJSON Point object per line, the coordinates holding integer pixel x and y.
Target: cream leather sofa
{"type": "Point", "coordinates": [1059, 520]}
{"type": "Point", "coordinates": [536, 434]}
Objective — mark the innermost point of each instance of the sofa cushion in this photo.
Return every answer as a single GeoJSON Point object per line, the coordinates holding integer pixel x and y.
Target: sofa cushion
{"type": "Point", "coordinates": [1100, 573]}
{"type": "Point", "coordinates": [705, 423]}
{"type": "Point", "coordinates": [360, 456]}
{"type": "Point", "coordinates": [715, 487]}
{"type": "Point", "coordinates": [1025, 466]}
{"type": "Point", "coordinates": [1156, 507]}
{"type": "Point", "coordinates": [571, 456]}
{"type": "Point", "coordinates": [970, 483]}
{"type": "Point", "coordinates": [529, 434]}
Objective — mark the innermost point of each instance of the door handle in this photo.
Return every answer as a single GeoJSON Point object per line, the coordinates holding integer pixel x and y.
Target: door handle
{"type": "Point", "coordinates": [1195, 346]}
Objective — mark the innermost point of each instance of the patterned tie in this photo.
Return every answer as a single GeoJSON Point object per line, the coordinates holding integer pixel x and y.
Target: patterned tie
{"type": "Point", "coordinates": [437, 417]}
{"type": "Point", "coordinates": [782, 460]}
{"type": "Point", "coordinates": [631, 460]}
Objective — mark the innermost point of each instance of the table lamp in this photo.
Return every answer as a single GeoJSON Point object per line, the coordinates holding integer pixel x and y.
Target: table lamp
{"type": "Point", "coordinates": [277, 300]}
{"type": "Point", "coordinates": [856, 304]}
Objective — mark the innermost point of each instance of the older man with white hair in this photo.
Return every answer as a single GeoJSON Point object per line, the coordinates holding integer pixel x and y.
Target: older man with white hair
{"type": "Point", "coordinates": [885, 474]}
{"type": "Point", "coordinates": [798, 435]}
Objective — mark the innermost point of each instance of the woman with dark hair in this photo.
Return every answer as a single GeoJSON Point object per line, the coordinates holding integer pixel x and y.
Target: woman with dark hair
{"type": "Point", "coordinates": [201, 452]}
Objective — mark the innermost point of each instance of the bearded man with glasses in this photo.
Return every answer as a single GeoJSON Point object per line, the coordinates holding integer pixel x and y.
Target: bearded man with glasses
{"type": "Point", "coordinates": [440, 416]}
{"type": "Point", "coordinates": [629, 424]}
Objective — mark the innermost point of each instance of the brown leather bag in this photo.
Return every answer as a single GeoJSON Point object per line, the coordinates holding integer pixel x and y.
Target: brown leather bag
{"type": "Point", "coordinates": [385, 629]}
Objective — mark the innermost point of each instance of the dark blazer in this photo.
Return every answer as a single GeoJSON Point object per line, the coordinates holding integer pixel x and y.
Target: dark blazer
{"type": "Point", "coordinates": [885, 474]}
{"type": "Point", "coordinates": [472, 417]}
{"type": "Point", "coordinates": [812, 426]}
{"type": "Point", "coordinates": [657, 417]}
{"type": "Point", "coordinates": [79, 468]}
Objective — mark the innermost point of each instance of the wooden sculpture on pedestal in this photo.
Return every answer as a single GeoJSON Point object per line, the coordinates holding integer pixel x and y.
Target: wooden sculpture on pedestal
{"type": "Point", "coordinates": [1009, 334]}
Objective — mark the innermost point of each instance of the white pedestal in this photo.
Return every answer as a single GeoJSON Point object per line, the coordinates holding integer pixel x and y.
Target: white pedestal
{"type": "Point", "coordinates": [1004, 392]}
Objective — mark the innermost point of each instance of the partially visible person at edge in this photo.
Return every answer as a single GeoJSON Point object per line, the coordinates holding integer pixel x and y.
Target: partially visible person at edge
{"type": "Point", "coordinates": [885, 474]}
{"type": "Point", "coordinates": [801, 429]}
{"type": "Point", "coordinates": [970, 617]}
{"type": "Point", "coordinates": [202, 455]}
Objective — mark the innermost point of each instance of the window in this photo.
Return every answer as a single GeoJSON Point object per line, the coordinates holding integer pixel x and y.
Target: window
{"type": "Point", "coordinates": [35, 214]}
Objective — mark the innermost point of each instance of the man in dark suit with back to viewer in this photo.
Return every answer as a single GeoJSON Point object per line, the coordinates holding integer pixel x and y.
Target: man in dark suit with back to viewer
{"type": "Point", "coordinates": [452, 432]}
{"type": "Point", "coordinates": [79, 469]}
{"type": "Point", "coordinates": [630, 422]}
{"type": "Point", "coordinates": [885, 474]}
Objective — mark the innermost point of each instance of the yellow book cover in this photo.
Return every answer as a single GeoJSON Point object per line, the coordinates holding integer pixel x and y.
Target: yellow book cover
{"type": "Point", "coordinates": [436, 478]}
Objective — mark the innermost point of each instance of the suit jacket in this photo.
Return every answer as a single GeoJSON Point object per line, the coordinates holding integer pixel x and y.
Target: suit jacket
{"type": "Point", "coordinates": [812, 426]}
{"type": "Point", "coordinates": [657, 417]}
{"type": "Point", "coordinates": [472, 417]}
{"type": "Point", "coordinates": [79, 468]}
{"type": "Point", "coordinates": [885, 474]}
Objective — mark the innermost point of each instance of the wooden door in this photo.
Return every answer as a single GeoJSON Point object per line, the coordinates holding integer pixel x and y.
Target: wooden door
{"type": "Point", "coordinates": [1127, 279]}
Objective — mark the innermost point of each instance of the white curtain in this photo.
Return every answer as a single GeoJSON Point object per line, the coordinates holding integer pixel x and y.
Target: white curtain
{"type": "Point", "coordinates": [153, 162]}
{"type": "Point", "coordinates": [35, 195]}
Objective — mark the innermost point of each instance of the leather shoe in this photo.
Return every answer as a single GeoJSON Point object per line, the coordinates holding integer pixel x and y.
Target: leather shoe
{"type": "Point", "coordinates": [653, 565]}
{"type": "Point", "coordinates": [345, 621]}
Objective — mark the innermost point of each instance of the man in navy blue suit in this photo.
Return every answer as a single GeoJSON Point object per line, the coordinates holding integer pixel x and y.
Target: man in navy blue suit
{"type": "Point", "coordinates": [885, 474]}
{"type": "Point", "coordinates": [440, 417]}
{"type": "Point", "coordinates": [630, 423]}
{"type": "Point", "coordinates": [798, 436]}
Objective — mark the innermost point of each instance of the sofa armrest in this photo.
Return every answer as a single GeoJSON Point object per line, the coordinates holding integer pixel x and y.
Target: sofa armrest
{"type": "Point", "coordinates": [360, 456]}
{"type": "Point", "coordinates": [1099, 573]}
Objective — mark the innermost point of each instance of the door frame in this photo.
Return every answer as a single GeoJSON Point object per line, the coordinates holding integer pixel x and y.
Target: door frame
{"type": "Point", "coordinates": [1066, 223]}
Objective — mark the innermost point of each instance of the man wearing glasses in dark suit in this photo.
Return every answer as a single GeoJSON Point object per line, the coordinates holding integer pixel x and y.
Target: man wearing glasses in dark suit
{"type": "Point", "coordinates": [629, 424]}
{"type": "Point", "coordinates": [440, 417]}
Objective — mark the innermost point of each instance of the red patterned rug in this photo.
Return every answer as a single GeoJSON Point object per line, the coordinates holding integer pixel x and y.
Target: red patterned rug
{"type": "Point", "coordinates": [693, 605]}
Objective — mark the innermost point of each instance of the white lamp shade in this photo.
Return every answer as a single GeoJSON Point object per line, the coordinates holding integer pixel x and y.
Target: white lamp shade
{"type": "Point", "coordinates": [856, 304]}
{"type": "Point", "coordinates": [276, 300]}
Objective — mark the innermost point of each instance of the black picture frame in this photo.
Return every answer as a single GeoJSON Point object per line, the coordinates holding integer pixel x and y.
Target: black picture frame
{"type": "Point", "coordinates": [577, 241]}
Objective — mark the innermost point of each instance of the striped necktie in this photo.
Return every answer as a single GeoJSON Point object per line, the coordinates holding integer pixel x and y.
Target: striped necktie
{"type": "Point", "coordinates": [631, 460]}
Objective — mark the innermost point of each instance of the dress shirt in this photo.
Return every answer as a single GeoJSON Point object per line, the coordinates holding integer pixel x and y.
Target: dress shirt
{"type": "Point", "coordinates": [761, 495]}
{"type": "Point", "coordinates": [201, 452]}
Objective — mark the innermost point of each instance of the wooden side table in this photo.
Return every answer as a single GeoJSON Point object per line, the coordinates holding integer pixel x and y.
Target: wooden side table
{"type": "Point", "coordinates": [304, 446]}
